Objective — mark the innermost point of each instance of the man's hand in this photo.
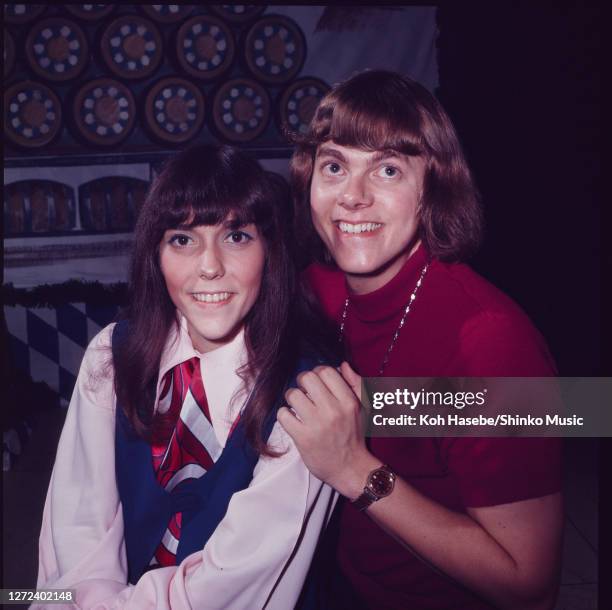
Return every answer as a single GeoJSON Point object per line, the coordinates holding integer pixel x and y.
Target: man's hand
{"type": "Point", "coordinates": [326, 426]}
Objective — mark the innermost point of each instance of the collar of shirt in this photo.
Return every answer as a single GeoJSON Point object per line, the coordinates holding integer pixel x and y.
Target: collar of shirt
{"type": "Point", "coordinates": [224, 388]}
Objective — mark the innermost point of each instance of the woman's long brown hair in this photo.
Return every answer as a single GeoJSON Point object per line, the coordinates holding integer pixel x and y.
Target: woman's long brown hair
{"type": "Point", "coordinates": [205, 185]}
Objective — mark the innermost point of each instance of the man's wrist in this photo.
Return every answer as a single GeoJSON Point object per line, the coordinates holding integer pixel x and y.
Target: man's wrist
{"type": "Point", "coordinates": [352, 484]}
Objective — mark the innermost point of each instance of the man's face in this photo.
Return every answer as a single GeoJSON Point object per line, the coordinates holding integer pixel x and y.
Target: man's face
{"type": "Point", "coordinates": [364, 207]}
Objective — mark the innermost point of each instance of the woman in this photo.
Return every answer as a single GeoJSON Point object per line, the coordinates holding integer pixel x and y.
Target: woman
{"type": "Point", "coordinates": [172, 486]}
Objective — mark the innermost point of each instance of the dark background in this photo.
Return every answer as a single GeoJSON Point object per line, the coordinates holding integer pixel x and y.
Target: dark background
{"type": "Point", "coordinates": [523, 85]}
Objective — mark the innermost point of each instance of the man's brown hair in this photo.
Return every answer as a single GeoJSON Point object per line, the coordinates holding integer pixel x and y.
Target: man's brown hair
{"type": "Point", "coordinates": [380, 110]}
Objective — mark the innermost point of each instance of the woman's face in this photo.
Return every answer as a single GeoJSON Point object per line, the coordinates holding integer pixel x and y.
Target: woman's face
{"type": "Point", "coordinates": [213, 275]}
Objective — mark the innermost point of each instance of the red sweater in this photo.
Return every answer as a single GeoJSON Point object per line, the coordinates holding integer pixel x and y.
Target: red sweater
{"type": "Point", "coordinates": [459, 325]}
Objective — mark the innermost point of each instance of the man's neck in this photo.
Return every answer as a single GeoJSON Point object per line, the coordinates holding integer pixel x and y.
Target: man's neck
{"type": "Point", "coordinates": [364, 283]}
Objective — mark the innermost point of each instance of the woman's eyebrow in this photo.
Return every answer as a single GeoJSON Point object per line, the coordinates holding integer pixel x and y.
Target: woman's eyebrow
{"type": "Point", "coordinates": [234, 224]}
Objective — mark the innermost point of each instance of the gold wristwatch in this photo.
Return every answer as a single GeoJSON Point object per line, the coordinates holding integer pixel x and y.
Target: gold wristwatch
{"type": "Point", "coordinates": [379, 484]}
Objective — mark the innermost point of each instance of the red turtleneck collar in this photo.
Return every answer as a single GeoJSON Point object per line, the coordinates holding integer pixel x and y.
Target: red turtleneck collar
{"type": "Point", "coordinates": [388, 300]}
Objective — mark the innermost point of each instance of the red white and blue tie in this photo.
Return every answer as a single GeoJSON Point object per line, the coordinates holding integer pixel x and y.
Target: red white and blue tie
{"type": "Point", "coordinates": [192, 449]}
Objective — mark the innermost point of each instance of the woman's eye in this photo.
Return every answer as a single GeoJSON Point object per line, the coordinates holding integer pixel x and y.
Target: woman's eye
{"type": "Point", "coordinates": [179, 240]}
{"type": "Point", "coordinates": [238, 237]}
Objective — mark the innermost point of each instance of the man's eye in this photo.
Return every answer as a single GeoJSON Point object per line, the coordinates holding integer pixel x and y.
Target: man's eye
{"type": "Point", "coordinates": [332, 168]}
{"type": "Point", "coordinates": [238, 237]}
{"type": "Point", "coordinates": [389, 171]}
{"type": "Point", "coordinates": [179, 240]}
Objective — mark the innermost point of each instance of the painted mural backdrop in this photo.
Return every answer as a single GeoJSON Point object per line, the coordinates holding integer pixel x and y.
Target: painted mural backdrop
{"type": "Point", "coordinates": [96, 96]}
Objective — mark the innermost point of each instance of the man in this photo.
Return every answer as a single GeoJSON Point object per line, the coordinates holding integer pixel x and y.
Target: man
{"type": "Point", "coordinates": [428, 523]}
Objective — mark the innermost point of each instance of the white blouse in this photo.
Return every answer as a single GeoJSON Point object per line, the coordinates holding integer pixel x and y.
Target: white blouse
{"type": "Point", "coordinates": [261, 550]}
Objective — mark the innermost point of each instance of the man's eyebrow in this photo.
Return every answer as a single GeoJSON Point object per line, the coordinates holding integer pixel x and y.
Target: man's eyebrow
{"type": "Point", "coordinates": [384, 154]}
{"type": "Point", "coordinates": [327, 151]}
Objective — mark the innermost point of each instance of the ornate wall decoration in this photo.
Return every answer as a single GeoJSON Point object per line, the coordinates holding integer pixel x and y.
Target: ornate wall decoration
{"type": "Point", "coordinates": [274, 49]}
{"type": "Point", "coordinates": [57, 49]}
{"type": "Point", "coordinates": [32, 114]}
{"type": "Point", "coordinates": [298, 103]}
{"type": "Point", "coordinates": [241, 110]}
{"type": "Point", "coordinates": [104, 112]}
{"type": "Point", "coordinates": [102, 66]}
{"type": "Point", "coordinates": [132, 47]}
{"type": "Point", "coordinates": [174, 110]}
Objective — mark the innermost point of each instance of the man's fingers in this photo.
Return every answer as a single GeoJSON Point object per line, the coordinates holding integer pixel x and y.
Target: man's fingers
{"type": "Point", "coordinates": [300, 403]}
{"type": "Point", "coordinates": [290, 423]}
{"type": "Point", "coordinates": [352, 378]}
{"type": "Point", "coordinates": [315, 387]}
{"type": "Point", "coordinates": [336, 385]}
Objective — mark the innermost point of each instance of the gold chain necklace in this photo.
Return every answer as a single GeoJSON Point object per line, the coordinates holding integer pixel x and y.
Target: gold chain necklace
{"type": "Point", "coordinates": [400, 325]}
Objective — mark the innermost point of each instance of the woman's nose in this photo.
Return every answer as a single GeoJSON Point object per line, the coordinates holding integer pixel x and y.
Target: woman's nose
{"type": "Point", "coordinates": [210, 264]}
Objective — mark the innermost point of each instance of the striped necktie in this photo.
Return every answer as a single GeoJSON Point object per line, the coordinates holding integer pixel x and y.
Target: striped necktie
{"type": "Point", "coordinates": [192, 449]}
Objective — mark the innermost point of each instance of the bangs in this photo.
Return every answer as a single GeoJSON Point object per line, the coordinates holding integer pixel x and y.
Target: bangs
{"type": "Point", "coordinates": [190, 193]}
{"type": "Point", "coordinates": [191, 211]}
{"type": "Point", "coordinates": [369, 121]}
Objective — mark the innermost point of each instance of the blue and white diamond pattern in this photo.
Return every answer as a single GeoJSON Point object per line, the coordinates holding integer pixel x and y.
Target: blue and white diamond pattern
{"type": "Point", "coordinates": [49, 343]}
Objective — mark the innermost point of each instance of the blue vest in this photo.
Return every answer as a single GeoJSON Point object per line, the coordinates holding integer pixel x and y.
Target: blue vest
{"type": "Point", "coordinates": [148, 508]}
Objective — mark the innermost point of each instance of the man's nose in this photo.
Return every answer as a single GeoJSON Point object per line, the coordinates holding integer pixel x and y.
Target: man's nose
{"type": "Point", "coordinates": [356, 195]}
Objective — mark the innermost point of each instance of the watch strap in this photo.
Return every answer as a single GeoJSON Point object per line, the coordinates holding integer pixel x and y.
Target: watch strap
{"type": "Point", "coordinates": [365, 499]}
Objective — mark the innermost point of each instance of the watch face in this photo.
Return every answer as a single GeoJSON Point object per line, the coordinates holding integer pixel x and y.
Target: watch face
{"type": "Point", "coordinates": [381, 482]}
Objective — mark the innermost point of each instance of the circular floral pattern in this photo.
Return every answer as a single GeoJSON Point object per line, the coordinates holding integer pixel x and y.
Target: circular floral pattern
{"type": "Point", "coordinates": [167, 13]}
{"type": "Point", "coordinates": [241, 110]}
{"type": "Point", "coordinates": [275, 49]}
{"type": "Point", "coordinates": [57, 49]}
{"type": "Point", "coordinates": [32, 114]}
{"type": "Point", "coordinates": [298, 103]}
{"type": "Point", "coordinates": [238, 13]}
{"type": "Point", "coordinates": [22, 13]}
{"type": "Point", "coordinates": [132, 47]}
{"type": "Point", "coordinates": [174, 110]}
{"type": "Point", "coordinates": [90, 12]}
{"type": "Point", "coordinates": [205, 47]}
{"type": "Point", "coordinates": [104, 111]}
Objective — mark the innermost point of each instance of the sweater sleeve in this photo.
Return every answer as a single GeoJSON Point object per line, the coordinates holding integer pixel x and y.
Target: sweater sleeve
{"type": "Point", "coordinates": [493, 471]}
{"type": "Point", "coordinates": [260, 551]}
